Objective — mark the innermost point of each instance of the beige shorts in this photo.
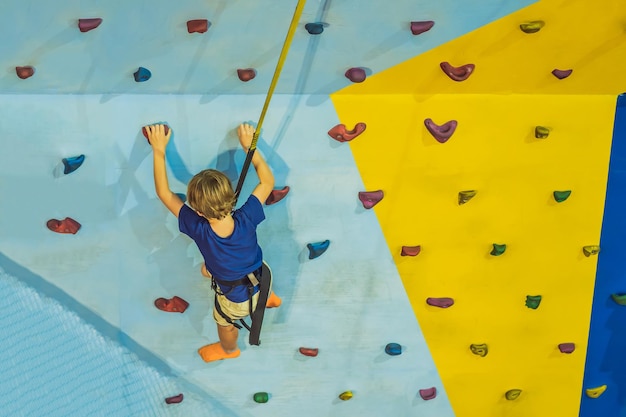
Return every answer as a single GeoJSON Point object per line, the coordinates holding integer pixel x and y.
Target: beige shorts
{"type": "Point", "coordinates": [233, 310]}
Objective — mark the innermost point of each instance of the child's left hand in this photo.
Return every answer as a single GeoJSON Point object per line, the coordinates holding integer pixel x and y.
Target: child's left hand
{"type": "Point", "coordinates": [157, 137]}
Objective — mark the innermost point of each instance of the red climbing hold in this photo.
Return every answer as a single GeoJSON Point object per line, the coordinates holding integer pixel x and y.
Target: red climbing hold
{"type": "Point", "coordinates": [421, 27]}
{"type": "Point", "coordinates": [309, 351]}
{"type": "Point", "coordinates": [246, 74]}
{"type": "Point", "coordinates": [67, 225]}
{"type": "Point", "coordinates": [197, 25]}
{"type": "Point", "coordinates": [145, 132]}
{"type": "Point", "coordinates": [341, 134]}
{"type": "Point", "coordinates": [410, 250]}
{"type": "Point", "coordinates": [356, 75]}
{"type": "Point", "coordinates": [461, 73]}
{"type": "Point", "coordinates": [277, 195]}
{"type": "Point", "coordinates": [85, 25]}
{"type": "Point", "coordinates": [560, 74]}
{"type": "Point", "coordinates": [428, 393]}
{"type": "Point", "coordinates": [25, 72]}
{"type": "Point", "coordinates": [173, 305]}
{"type": "Point", "coordinates": [370, 198]}
{"type": "Point", "coordinates": [175, 399]}
{"type": "Point", "coordinates": [441, 133]}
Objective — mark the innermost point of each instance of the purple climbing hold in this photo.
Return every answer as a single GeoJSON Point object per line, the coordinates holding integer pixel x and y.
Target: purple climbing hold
{"type": "Point", "coordinates": [441, 133]}
{"type": "Point", "coordinates": [72, 164]}
{"type": "Point", "coordinates": [342, 134]}
{"type": "Point", "coordinates": [246, 74]}
{"type": "Point", "coordinates": [560, 74]}
{"type": "Point", "coordinates": [142, 74]}
{"type": "Point", "coordinates": [277, 195]}
{"type": "Point", "coordinates": [410, 250]}
{"type": "Point", "coordinates": [370, 198]}
{"type": "Point", "coordinates": [175, 399]}
{"type": "Point", "coordinates": [567, 347]}
{"type": "Point", "coordinates": [85, 25]}
{"type": "Point", "coordinates": [421, 27]}
{"type": "Point", "coordinates": [443, 302]}
{"type": "Point", "coordinates": [428, 393]}
{"type": "Point", "coordinates": [314, 28]}
{"type": "Point", "coordinates": [198, 25]}
{"type": "Point", "coordinates": [356, 75]}
{"type": "Point", "coordinates": [24, 72]}
{"type": "Point", "coordinates": [461, 73]}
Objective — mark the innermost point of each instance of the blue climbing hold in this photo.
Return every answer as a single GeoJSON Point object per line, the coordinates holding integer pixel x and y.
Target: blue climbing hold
{"type": "Point", "coordinates": [73, 163]}
{"type": "Point", "coordinates": [142, 74]}
{"type": "Point", "coordinates": [314, 28]}
{"type": "Point", "coordinates": [317, 249]}
{"type": "Point", "coordinates": [393, 349]}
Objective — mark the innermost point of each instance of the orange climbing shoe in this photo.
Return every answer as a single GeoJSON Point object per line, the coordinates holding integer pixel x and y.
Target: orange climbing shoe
{"type": "Point", "coordinates": [273, 301]}
{"type": "Point", "coordinates": [215, 352]}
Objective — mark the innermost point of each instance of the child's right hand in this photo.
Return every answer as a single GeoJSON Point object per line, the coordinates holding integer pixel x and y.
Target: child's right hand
{"type": "Point", "coordinates": [157, 137]}
{"type": "Point", "coordinates": [245, 133]}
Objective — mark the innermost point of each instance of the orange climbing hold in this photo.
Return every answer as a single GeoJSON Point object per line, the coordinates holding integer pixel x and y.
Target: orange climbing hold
{"type": "Point", "coordinates": [25, 72]}
{"type": "Point", "coordinates": [67, 225]}
{"type": "Point", "coordinates": [197, 26]}
{"type": "Point", "coordinates": [341, 134]}
{"type": "Point", "coordinates": [312, 352]}
{"type": "Point", "coordinates": [246, 74]}
{"type": "Point", "coordinates": [410, 250]}
{"type": "Point", "coordinates": [172, 305]}
{"type": "Point", "coordinates": [215, 352]}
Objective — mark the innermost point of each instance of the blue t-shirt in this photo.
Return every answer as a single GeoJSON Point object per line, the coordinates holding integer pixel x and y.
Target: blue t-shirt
{"type": "Point", "coordinates": [228, 258]}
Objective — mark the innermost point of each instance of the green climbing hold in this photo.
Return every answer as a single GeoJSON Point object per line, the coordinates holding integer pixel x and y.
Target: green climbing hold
{"type": "Point", "coordinates": [591, 250]}
{"type": "Point", "coordinates": [533, 301]}
{"type": "Point", "coordinates": [261, 397]}
{"type": "Point", "coordinates": [532, 27]}
{"type": "Point", "coordinates": [512, 394]}
{"type": "Point", "coordinates": [479, 349]}
{"type": "Point", "coordinates": [541, 132]}
{"type": "Point", "coordinates": [561, 196]}
{"type": "Point", "coordinates": [465, 196]}
{"type": "Point", "coordinates": [498, 249]}
{"type": "Point", "coordinates": [619, 299]}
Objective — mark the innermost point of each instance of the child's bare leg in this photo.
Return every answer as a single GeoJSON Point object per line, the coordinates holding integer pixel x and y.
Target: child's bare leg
{"type": "Point", "coordinates": [228, 337]}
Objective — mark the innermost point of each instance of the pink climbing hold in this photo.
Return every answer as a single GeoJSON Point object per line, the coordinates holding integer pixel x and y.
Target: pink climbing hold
{"type": "Point", "coordinates": [145, 132]}
{"type": "Point", "coordinates": [341, 134]}
{"type": "Point", "coordinates": [67, 225]}
{"type": "Point", "coordinates": [312, 352]}
{"type": "Point", "coordinates": [461, 73]}
{"type": "Point", "coordinates": [85, 25]}
{"type": "Point", "coordinates": [567, 347]}
{"type": "Point", "coordinates": [356, 75]}
{"type": "Point", "coordinates": [175, 399]}
{"type": "Point", "coordinates": [277, 195]}
{"type": "Point", "coordinates": [421, 27]}
{"type": "Point", "coordinates": [561, 74]}
{"type": "Point", "coordinates": [443, 302]}
{"type": "Point", "coordinates": [25, 72]}
{"type": "Point", "coordinates": [428, 393]}
{"type": "Point", "coordinates": [246, 74]}
{"type": "Point", "coordinates": [197, 26]}
{"type": "Point", "coordinates": [410, 250]}
{"type": "Point", "coordinates": [441, 133]}
{"type": "Point", "coordinates": [370, 198]}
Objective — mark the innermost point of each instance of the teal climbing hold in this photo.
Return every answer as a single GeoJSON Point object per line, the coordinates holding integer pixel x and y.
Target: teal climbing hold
{"type": "Point", "coordinates": [317, 249]}
{"type": "Point", "coordinates": [498, 249]}
{"type": "Point", "coordinates": [73, 163]}
{"type": "Point", "coordinates": [533, 301]}
{"type": "Point", "coordinates": [142, 74]}
{"type": "Point", "coordinates": [393, 349]}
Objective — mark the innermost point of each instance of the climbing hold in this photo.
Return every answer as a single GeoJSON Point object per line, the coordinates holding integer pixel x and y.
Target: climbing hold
{"type": "Point", "coordinates": [443, 302]}
{"type": "Point", "coordinates": [277, 195]}
{"type": "Point", "coordinates": [67, 225]}
{"type": "Point", "coordinates": [314, 28]}
{"type": "Point", "coordinates": [246, 74]}
{"type": "Point", "coordinates": [512, 394]}
{"type": "Point", "coordinates": [145, 132]}
{"type": "Point", "coordinates": [428, 393]}
{"type": "Point", "coordinates": [393, 349]}
{"type": "Point", "coordinates": [172, 305]}
{"type": "Point", "coordinates": [421, 26]}
{"type": "Point", "coordinates": [595, 392]}
{"type": "Point", "coordinates": [85, 25]}
{"type": "Point", "coordinates": [345, 396]}
{"type": "Point", "coordinates": [340, 133]}
{"type": "Point", "coordinates": [198, 25]}
{"type": "Point", "coordinates": [561, 196]}
{"type": "Point", "coordinates": [72, 164]}
{"type": "Point", "coordinates": [370, 198]}
{"type": "Point", "coordinates": [25, 72]}
{"type": "Point", "coordinates": [461, 73]}
{"type": "Point", "coordinates": [175, 399]}
{"type": "Point", "coordinates": [142, 74]}
{"type": "Point", "coordinates": [356, 75]}
{"type": "Point", "coordinates": [619, 298]}
{"type": "Point", "coordinates": [560, 74]}
{"type": "Point", "coordinates": [479, 349]}
{"type": "Point", "coordinates": [541, 132]}
{"type": "Point", "coordinates": [591, 250]}
{"type": "Point", "coordinates": [567, 347]}
{"type": "Point", "coordinates": [261, 397]}
{"type": "Point", "coordinates": [465, 196]}
{"type": "Point", "coordinates": [532, 27]}
{"type": "Point", "coordinates": [410, 250]}
{"type": "Point", "coordinates": [498, 249]}
{"type": "Point", "coordinates": [441, 133]}
{"type": "Point", "coordinates": [533, 301]}
{"type": "Point", "coordinates": [309, 351]}
{"type": "Point", "coordinates": [317, 249]}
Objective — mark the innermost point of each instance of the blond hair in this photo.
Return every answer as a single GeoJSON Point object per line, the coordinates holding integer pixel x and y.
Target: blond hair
{"type": "Point", "coordinates": [211, 193]}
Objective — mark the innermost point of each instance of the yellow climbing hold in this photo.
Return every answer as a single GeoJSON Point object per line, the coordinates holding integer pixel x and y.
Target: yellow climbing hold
{"type": "Point", "coordinates": [532, 27]}
{"type": "Point", "coordinates": [542, 132]}
{"type": "Point", "coordinates": [512, 394]}
{"type": "Point", "coordinates": [465, 196]}
{"type": "Point", "coordinates": [595, 392]}
{"type": "Point", "coordinates": [345, 396]}
{"type": "Point", "coordinates": [591, 250]}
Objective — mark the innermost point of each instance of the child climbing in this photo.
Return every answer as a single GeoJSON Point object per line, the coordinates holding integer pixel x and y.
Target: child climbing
{"type": "Point", "coordinates": [227, 240]}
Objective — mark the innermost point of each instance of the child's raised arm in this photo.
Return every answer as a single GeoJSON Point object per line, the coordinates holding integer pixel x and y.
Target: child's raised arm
{"type": "Point", "coordinates": [266, 178]}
